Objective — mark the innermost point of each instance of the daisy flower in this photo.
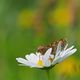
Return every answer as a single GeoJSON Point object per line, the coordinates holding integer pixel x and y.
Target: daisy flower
{"type": "Point", "coordinates": [47, 57]}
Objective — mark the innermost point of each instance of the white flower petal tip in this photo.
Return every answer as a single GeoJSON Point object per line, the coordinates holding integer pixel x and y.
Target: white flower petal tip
{"type": "Point", "coordinates": [75, 50]}
{"type": "Point", "coordinates": [49, 51]}
{"type": "Point", "coordinates": [52, 55]}
{"type": "Point", "coordinates": [21, 60]}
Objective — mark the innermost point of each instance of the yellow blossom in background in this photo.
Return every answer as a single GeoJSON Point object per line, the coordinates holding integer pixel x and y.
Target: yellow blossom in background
{"type": "Point", "coordinates": [25, 18]}
{"type": "Point", "coordinates": [68, 67]}
{"type": "Point", "coordinates": [60, 16]}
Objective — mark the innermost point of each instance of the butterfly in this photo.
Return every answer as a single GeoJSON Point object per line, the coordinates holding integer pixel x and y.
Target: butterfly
{"type": "Point", "coordinates": [42, 49]}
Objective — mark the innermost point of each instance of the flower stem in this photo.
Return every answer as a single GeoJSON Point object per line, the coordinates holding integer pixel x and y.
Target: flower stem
{"type": "Point", "coordinates": [48, 75]}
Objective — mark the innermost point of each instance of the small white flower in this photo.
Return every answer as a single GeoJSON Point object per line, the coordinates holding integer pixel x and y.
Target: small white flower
{"type": "Point", "coordinates": [47, 60]}
{"type": "Point", "coordinates": [36, 60]}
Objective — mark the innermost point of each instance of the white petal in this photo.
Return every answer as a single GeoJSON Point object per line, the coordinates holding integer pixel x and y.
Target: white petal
{"type": "Point", "coordinates": [56, 60]}
{"type": "Point", "coordinates": [48, 52]}
{"type": "Point", "coordinates": [47, 63]}
{"type": "Point", "coordinates": [65, 51]}
{"type": "Point", "coordinates": [23, 61]}
{"type": "Point", "coordinates": [69, 48]}
{"type": "Point", "coordinates": [61, 58]}
{"type": "Point", "coordinates": [36, 66]}
{"type": "Point", "coordinates": [66, 47]}
{"type": "Point", "coordinates": [26, 63]}
{"type": "Point", "coordinates": [46, 57]}
{"type": "Point", "coordinates": [58, 47]}
{"type": "Point", "coordinates": [38, 53]}
{"type": "Point", "coordinates": [32, 58]}
{"type": "Point", "coordinates": [58, 53]}
{"type": "Point", "coordinates": [68, 54]}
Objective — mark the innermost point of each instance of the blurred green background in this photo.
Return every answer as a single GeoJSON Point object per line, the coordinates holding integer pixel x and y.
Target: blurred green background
{"type": "Point", "coordinates": [26, 24]}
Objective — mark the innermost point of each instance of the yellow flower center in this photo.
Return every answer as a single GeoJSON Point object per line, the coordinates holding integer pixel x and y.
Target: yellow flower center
{"type": "Point", "coordinates": [40, 63]}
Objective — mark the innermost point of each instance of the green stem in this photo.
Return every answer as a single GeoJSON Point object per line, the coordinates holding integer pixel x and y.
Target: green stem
{"type": "Point", "coordinates": [48, 75]}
